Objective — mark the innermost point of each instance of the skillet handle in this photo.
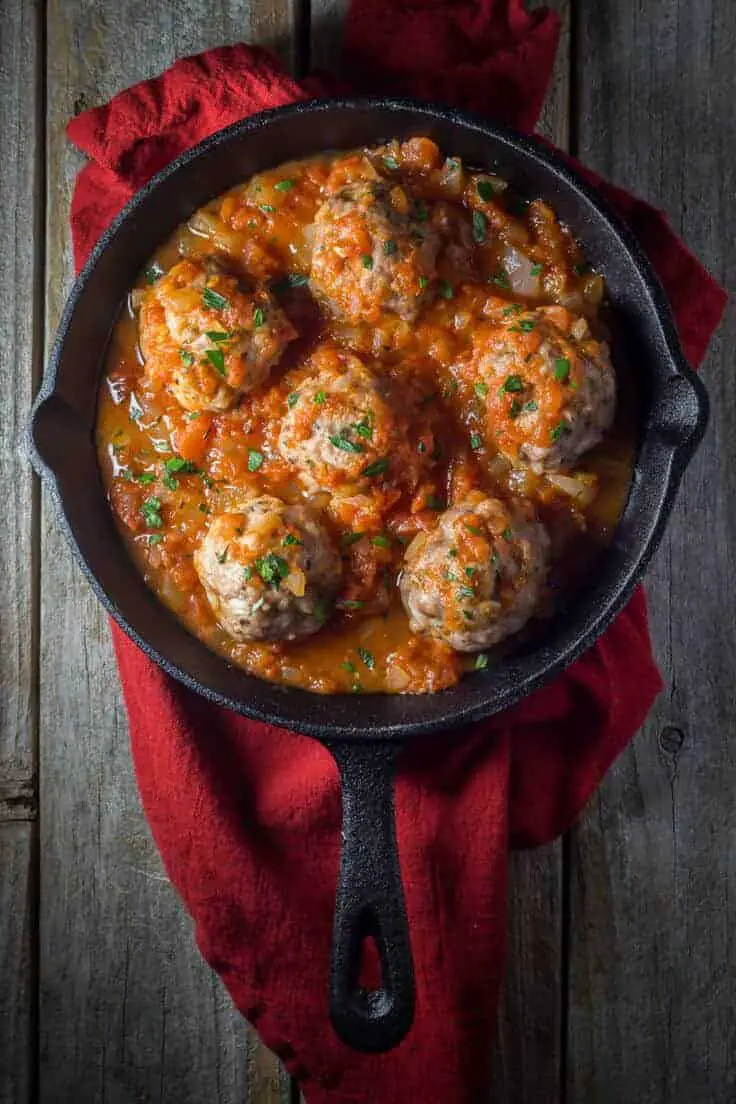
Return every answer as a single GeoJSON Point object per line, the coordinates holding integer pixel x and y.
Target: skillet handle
{"type": "Point", "coordinates": [370, 904]}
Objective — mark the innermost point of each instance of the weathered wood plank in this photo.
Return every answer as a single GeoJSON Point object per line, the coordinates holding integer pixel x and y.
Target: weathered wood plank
{"type": "Point", "coordinates": [20, 313]}
{"type": "Point", "coordinates": [128, 1009]}
{"type": "Point", "coordinates": [652, 989]}
{"type": "Point", "coordinates": [17, 892]}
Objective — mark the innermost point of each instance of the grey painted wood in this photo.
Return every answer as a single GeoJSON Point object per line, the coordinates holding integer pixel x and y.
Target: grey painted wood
{"type": "Point", "coordinates": [20, 313]}
{"type": "Point", "coordinates": [17, 1052]}
{"type": "Point", "coordinates": [19, 317]}
{"type": "Point", "coordinates": [652, 950]}
{"type": "Point", "coordinates": [128, 1010]}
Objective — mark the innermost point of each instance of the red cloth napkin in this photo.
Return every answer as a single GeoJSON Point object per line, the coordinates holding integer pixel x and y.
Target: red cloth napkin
{"type": "Point", "coordinates": [246, 815]}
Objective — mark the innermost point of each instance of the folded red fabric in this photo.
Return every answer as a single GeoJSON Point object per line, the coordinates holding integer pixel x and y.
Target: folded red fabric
{"type": "Point", "coordinates": [247, 815]}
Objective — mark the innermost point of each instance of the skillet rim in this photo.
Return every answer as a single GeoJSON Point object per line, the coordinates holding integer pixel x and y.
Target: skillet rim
{"type": "Point", "coordinates": [561, 646]}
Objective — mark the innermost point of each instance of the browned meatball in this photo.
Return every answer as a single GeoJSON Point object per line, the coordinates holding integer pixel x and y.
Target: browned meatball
{"type": "Point", "coordinates": [371, 253]}
{"type": "Point", "coordinates": [547, 386]}
{"type": "Point", "coordinates": [206, 338]}
{"type": "Point", "coordinates": [269, 570]}
{"type": "Point", "coordinates": [478, 577]}
{"type": "Point", "coordinates": [338, 430]}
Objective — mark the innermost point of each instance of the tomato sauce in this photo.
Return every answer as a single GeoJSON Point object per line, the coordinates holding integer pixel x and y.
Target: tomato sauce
{"type": "Point", "coordinates": [169, 470]}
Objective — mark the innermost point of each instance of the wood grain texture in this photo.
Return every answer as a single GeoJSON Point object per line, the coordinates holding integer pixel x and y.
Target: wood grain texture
{"type": "Point", "coordinates": [17, 916]}
{"type": "Point", "coordinates": [129, 1012]}
{"type": "Point", "coordinates": [652, 979]}
{"type": "Point", "coordinates": [20, 310]}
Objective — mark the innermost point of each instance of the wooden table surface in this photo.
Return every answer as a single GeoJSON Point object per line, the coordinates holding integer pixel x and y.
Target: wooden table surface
{"type": "Point", "coordinates": [622, 936]}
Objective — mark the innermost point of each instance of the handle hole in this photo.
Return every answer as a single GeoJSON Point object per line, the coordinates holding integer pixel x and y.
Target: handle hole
{"type": "Point", "coordinates": [370, 974]}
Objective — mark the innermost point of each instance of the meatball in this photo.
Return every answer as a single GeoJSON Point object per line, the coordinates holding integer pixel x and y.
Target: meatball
{"type": "Point", "coordinates": [372, 253]}
{"type": "Point", "coordinates": [477, 578]}
{"type": "Point", "coordinates": [206, 338]}
{"type": "Point", "coordinates": [270, 571]}
{"type": "Point", "coordinates": [338, 430]}
{"type": "Point", "coordinates": [548, 387]}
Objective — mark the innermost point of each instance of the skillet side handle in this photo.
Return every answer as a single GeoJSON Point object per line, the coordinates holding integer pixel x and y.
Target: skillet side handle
{"type": "Point", "coordinates": [370, 904]}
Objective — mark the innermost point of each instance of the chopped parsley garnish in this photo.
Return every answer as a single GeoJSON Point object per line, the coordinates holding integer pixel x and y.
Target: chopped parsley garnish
{"type": "Point", "coordinates": [481, 662]}
{"type": "Point", "coordinates": [153, 273]}
{"type": "Point", "coordinates": [452, 552]}
{"type": "Point", "coordinates": [507, 535]}
{"type": "Point", "coordinates": [364, 428]}
{"type": "Point", "coordinates": [259, 317]}
{"type": "Point", "coordinates": [512, 308]}
{"type": "Point", "coordinates": [134, 408]}
{"type": "Point", "coordinates": [515, 409]}
{"type": "Point", "coordinates": [293, 280]}
{"type": "Point", "coordinates": [290, 539]}
{"type": "Point", "coordinates": [450, 576]}
{"type": "Point", "coordinates": [151, 510]}
{"type": "Point", "coordinates": [292, 399]}
{"type": "Point", "coordinates": [391, 163]}
{"type": "Point", "coordinates": [320, 398]}
{"type": "Point", "coordinates": [421, 211]}
{"type": "Point", "coordinates": [377, 467]}
{"type": "Point", "coordinates": [481, 390]}
{"type": "Point", "coordinates": [525, 326]}
{"type": "Point", "coordinates": [562, 369]}
{"type": "Point", "coordinates": [558, 430]}
{"type": "Point", "coordinates": [186, 357]}
{"type": "Point", "coordinates": [390, 247]}
{"type": "Point", "coordinates": [445, 289]}
{"type": "Point", "coordinates": [367, 260]}
{"type": "Point", "coordinates": [214, 300]}
{"type": "Point", "coordinates": [272, 569]}
{"type": "Point", "coordinates": [468, 615]}
{"type": "Point", "coordinates": [582, 269]}
{"type": "Point", "coordinates": [423, 281]}
{"type": "Point", "coordinates": [351, 538]}
{"type": "Point", "coordinates": [255, 460]}
{"type": "Point", "coordinates": [473, 529]}
{"type": "Point", "coordinates": [350, 604]}
{"type": "Point", "coordinates": [470, 570]}
{"type": "Point", "coordinates": [192, 417]}
{"type": "Point", "coordinates": [320, 613]}
{"type": "Point", "coordinates": [465, 592]}
{"type": "Point", "coordinates": [346, 665]}
{"type": "Point", "coordinates": [216, 357]}
{"type": "Point", "coordinates": [480, 226]}
{"type": "Point", "coordinates": [530, 407]}
{"type": "Point", "coordinates": [155, 538]}
{"type": "Point", "coordinates": [218, 335]}
{"type": "Point", "coordinates": [204, 508]}
{"type": "Point", "coordinates": [511, 384]}
{"type": "Point", "coordinates": [434, 503]}
{"type": "Point", "coordinates": [344, 443]}
{"type": "Point", "coordinates": [367, 658]}
{"type": "Point", "coordinates": [145, 478]}
{"type": "Point", "coordinates": [283, 186]}
{"type": "Point", "coordinates": [178, 464]}
{"type": "Point", "coordinates": [381, 541]}
{"type": "Point", "coordinates": [537, 269]}
{"type": "Point", "coordinates": [484, 189]}
{"type": "Point", "coordinates": [267, 208]}
{"type": "Point", "coordinates": [500, 278]}
{"type": "Point", "coordinates": [247, 573]}
{"type": "Point", "coordinates": [222, 556]}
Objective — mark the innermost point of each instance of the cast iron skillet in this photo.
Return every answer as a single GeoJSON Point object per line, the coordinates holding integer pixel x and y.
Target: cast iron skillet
{"type": "Point", "coordinates": [365, 735]}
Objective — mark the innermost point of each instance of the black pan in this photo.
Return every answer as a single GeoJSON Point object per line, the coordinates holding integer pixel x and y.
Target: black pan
{"type": "Point", "coordinates": [365, 735]}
